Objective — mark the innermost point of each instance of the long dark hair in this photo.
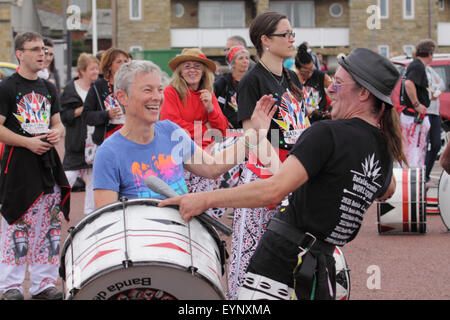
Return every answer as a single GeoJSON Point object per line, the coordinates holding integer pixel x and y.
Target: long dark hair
{"type": "Point", "coordinates": [265, 24]}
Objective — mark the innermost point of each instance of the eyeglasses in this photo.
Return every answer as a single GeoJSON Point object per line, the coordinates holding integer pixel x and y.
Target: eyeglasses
{"type": "Point", "coordinates": [307, 72]}
{"type": "Point", "coordinates": [36, 49]}
{"type": "Point", "coordinates": [193, 67]}
{"type": "Point", "coordinates": [336, 87]}
{"type": "Point", "coordinates": [283, 35]}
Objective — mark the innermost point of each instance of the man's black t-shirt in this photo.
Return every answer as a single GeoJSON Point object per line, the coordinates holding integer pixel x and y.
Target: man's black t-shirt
{"type": "Point", "coordinates": [348, 166]}
{"type": "Point", "coordinates": [28, 105]}
{"type": "Point", "coordinates": [290, 118]}
{"type": "Point", "coordinates": [416, 73]}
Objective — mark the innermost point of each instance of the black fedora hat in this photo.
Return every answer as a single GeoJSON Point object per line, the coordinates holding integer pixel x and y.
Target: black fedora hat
{"type": "Point", "coordinates": [372, 71]}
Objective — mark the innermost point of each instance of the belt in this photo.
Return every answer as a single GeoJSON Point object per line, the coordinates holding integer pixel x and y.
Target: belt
{"type": "Point", "coordinates": [304, 240]}
{"type": "Point", "coordinates": [311, 277]}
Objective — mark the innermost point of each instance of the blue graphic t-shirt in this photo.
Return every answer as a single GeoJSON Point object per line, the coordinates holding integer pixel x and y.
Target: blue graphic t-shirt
{"type": "Point", "coordinates": [123, 166]}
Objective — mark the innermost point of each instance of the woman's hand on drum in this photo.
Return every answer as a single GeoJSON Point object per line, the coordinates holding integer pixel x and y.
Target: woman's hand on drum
{"type": "Point", "coordinates": [190, 205]}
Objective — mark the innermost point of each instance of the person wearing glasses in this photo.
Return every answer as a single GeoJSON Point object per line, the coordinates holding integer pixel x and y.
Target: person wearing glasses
{"type": "Point", "coordinates": [332, 178]}
{"type": "Point", "coordinates": [34, 190]}
{"type": "Point", "coordinates": [190, 102]}
{"type": "Point", "coordinates": [273, 39]}
{"type": "Point", "coordinates": [314, 83]}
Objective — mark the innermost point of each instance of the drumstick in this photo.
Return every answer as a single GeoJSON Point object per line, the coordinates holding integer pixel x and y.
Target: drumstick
{"type": "Point", "coordinates": [159, 186]}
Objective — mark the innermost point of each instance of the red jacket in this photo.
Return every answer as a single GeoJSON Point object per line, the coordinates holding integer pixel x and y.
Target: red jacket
{"type": "Point", "coordinates": [194, 111]}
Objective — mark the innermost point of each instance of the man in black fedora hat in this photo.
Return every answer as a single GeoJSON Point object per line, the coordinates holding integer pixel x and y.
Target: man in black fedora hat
{"type": "Point", "coordinates": [335, 171]}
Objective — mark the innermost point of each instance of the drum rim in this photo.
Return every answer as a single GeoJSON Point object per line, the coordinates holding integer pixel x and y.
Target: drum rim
{"type": "Point", "coordinates": [143, 264]}
{"type": "Point", "coordinates": [439, 206]}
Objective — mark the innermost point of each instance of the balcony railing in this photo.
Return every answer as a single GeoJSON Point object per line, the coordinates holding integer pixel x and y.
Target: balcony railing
{"type": "Point", "coordinates": [216, 37]}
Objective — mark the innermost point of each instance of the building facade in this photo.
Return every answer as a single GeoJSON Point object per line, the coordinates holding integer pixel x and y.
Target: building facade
{"type": "Point", "coordinates": [391, 27]}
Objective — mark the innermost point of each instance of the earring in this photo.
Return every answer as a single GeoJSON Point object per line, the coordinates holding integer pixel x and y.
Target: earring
{"type": "Point", "coordinates": [267, 49]}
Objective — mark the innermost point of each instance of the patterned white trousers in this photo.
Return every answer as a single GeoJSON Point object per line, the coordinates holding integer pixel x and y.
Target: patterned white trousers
{"type": "Point", "coordinates": [414, 140]}
{"type": "Point", "coordinates": [33, 240]}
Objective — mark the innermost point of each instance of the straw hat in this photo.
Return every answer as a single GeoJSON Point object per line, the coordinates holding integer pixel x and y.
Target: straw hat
{"type": "Point", "coordinates": [192, 54]}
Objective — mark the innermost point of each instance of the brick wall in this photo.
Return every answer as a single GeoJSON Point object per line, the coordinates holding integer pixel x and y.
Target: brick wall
{"type": "Point", "coordinates": [5, 32]}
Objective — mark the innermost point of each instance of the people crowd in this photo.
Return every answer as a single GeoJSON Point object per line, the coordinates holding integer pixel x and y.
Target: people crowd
{"type": "Point", "coordinates": [117, 119]}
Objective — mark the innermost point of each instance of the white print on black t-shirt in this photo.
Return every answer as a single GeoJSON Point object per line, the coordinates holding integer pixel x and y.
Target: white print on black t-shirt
{"type": "Point", "coordinates": [293, 120]}
{"type": "Point", "coordinates": [33, 113]}
{"type": "Point", "coordinates": [356, 200]}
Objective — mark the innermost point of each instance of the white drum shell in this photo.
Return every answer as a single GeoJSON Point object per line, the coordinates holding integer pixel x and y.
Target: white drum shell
{"type": "Point", "coordinates": [342, 275]}
{"type": "Point", "coordinates": [158, 247]}
{"type": "Point", "coordinates": [405, 211]}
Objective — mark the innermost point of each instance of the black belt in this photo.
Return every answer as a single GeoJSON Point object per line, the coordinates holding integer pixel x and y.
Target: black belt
{"type": "Point", "coordinates": [311, 275]}
{"type": "Point", "coordinates": [304, 240]}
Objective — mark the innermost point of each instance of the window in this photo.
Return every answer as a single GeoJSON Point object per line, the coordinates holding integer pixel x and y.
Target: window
{"type": "Point", "coordinates": [178, 10]}
{"type": "Point", "coordinates": [221, 14]}
{"type": "Point", "coordinates": [408, 50]}
{"type": "Point", "coordinates": [135, 9]}
{"type": "Point", "coordinates": [384, 8]}
{"type": "Point", "coordinates": [301, 14]}
{"type": "Point", "coordinates": [441, 5]}
{"type": "Point", "coordinates": [384, 50]}
{"type": "Point", "coordinates": [408, 9]}
{"type": "Point", "coordinates": [336, 10]}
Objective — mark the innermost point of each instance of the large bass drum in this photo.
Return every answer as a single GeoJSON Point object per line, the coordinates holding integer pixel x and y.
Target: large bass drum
{"type": "Point", "coordinates": [444, 198]}
{"type": "Point", "coordinates": [136, 250]}
{"type": "Point", "coordinates": [404, 212]}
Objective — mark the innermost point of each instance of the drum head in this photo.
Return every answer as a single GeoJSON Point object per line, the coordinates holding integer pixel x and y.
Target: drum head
{"type": "Point", "coordinates": [148, 282]}
{"type": "Point", "coordinates": [444, 198]}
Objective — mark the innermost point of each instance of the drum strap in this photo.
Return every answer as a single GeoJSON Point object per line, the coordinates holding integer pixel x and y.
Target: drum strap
{"type": "Point", "coordinates": [311, 273]}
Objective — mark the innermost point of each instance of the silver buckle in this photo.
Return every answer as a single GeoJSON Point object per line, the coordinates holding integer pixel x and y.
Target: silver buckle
{"type": "Point", "coordinates": [308, 245]}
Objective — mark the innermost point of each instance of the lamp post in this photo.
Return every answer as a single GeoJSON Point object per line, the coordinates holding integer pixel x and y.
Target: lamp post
{"type": "Point", "coordinates": [68, 37]}
{"type": "Point", "coordinates": [94, 28]}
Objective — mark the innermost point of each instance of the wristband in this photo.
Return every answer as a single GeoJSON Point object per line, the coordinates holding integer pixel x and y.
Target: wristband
{"type": "Point", "coordinates": [415, 105]}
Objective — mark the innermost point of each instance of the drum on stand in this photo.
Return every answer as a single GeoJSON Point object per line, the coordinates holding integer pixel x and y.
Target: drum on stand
{"type": "Point", "coordinates": [404, 212]}
{"type": "Point", "coordinates": [342, 276]}
{"type": "Point", "coordinates": [135, 250]}
{"type": "Point", "coordinates": [444, 198]}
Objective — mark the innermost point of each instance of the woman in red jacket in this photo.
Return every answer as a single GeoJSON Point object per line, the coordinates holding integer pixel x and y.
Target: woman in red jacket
{"type": "Point", "coordinates": [189, 101]}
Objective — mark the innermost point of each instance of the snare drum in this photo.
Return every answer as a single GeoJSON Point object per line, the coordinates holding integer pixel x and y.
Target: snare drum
{"type": "Point", "coordinates": [135, 250]}
{"type": "Point", "coordinates": [342, 276]}
{"type": "Point", "coordinates": [404, 212]}
{"type": "Point", "coordinates": [444, 198]}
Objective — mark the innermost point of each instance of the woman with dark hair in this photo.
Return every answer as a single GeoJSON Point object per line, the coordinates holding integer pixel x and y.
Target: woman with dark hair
{"type": "Point", "coordinates": [314, 83]}
{"type": "Point", "coordinates": [101, 108]}
{"type": "Point", "coordinates": [273, 38]}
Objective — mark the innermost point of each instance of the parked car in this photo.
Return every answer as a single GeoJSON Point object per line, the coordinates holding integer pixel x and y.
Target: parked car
{"type": "Point", "coordinates": [7, 69]}
{"type": "Point", "coordinates": [441, 64]}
